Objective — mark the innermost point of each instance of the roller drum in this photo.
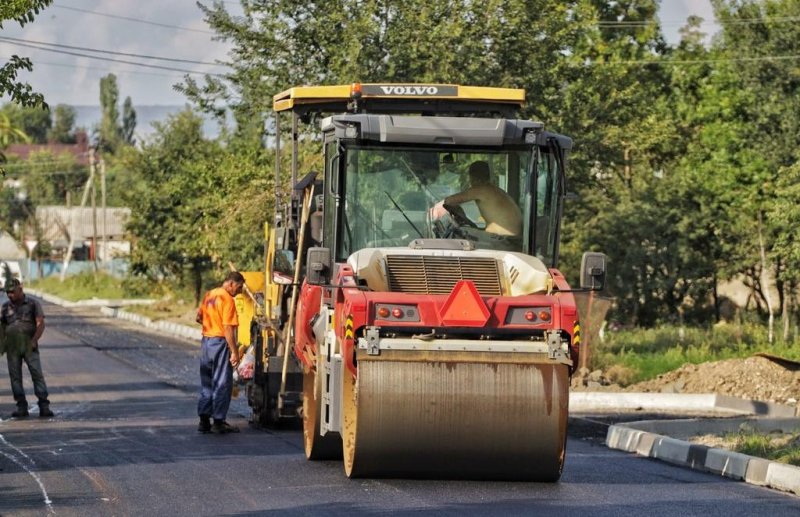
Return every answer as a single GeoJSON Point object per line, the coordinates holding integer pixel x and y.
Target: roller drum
{"type": "Point", "coordinates": [456, 419]}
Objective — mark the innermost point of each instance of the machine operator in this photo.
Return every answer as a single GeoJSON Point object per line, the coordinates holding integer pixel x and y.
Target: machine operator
{"type": "Point", "coordinates": [498, 209]}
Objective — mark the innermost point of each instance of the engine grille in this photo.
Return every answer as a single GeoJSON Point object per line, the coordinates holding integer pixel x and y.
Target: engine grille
{"type": "Point", "coordinates": [425, 274]}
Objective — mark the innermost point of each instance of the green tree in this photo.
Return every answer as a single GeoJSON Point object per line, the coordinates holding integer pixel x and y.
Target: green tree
{"type": "Point", "coordinates": [50, 179]}
{"type": "Point", "coordinates": [10, 133]}
{"type": "Point", "coordinates": [23, 12]}
{"type": "Point", "coordinates": [278, 44]}
{"type": "Point", "coordinates": [63, 130]}
{"type": "Point", "coordinates": [128, 121]}
{"type": "Point", "coordinates": [16, 209]}
{"type": "Point", "coordinates": [35, 121]}
{"type": "Point", "coordinates": [110, 130]}
{"type": "Point", "coordinates": [170, 209]}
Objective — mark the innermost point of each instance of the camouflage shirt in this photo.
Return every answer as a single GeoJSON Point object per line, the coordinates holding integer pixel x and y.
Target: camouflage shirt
{"type": "Point", "coordinates": [21, 318]}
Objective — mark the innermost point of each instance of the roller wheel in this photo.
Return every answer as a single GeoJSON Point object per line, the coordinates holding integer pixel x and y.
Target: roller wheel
{"type": "Point", "coordinates": [328, 447]}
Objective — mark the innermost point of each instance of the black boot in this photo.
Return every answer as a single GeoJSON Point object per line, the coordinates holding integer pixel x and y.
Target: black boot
{"type": "Point", "coordinates": [205, 424]}
{"type": "Point", "coordinates": [223, 427]}
{"type": "Point", "coordinates": [44, 411]}
{"type": "Point", "coordinates": [22, 411]}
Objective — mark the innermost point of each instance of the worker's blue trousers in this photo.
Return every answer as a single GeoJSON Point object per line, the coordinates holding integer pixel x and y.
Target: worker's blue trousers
{"type": "Point", "coordinates": [216, 378]}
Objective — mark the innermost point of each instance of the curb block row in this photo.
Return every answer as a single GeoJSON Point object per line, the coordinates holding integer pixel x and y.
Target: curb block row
{"type": "Point", "coordinates": [111, 309]}
{"type": "Point", "coordinates": [647, 438]}
{"type": "Point", "coordinates": [93, 302]}
{"type": "Point", "coordinates": [585, 401]}
{"type": "Point", "coordinates": [175, 329]}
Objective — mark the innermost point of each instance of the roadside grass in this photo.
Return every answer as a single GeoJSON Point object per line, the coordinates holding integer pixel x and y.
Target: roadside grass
{"type": "Point", "coordinates": [170, 309]}
{"type": "Point", "coordinates": [636, 355]}
{"type": "Point", "coordinates": [83, 286]}
{"type": "Point", "coordinates": [784, 448]}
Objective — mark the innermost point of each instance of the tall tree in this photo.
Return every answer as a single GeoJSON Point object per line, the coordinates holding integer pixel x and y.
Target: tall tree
{"type": "Point", "coordinates": [128, 121]}
{"type": "Point", "coordinates": [109, 133]}
{"type": "Point", "coordinates": [10, 133]}
{"type": "Point", "coordinates": [34, 120]}
{"type": "Point", "coordinates": [170, 209]}
{"type": "Point", "coordinates": [23, 12]}
{"type": "Point", "coordinates": [63, 130]}
{"type": "Point", "coordinates": [278, 44]}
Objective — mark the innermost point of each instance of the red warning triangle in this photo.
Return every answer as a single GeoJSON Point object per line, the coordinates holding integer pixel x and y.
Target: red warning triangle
{"type": "Point", "coordinates": [464, 307]}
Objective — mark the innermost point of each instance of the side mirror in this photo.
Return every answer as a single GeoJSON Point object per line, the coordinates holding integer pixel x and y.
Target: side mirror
{"type": "Point", "coordinates": [318, 266]}
{"type": "Point", "coordinates": [593, 271]}
{"type": "Point", "coordinates": [283, 267]}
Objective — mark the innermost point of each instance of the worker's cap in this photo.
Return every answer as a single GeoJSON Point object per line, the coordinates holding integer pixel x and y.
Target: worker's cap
{"type": "Point", "coordinates": [11, 284]}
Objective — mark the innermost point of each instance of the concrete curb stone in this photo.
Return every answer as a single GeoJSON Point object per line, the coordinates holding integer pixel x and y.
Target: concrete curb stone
{"type": "Point", "coordinates": [647, 438]}
{"type": "Point", "coordinates": [583, 401]}
{"type": "Point", "coordinates": [93, 302]}
{"type": "Point", "coordinates": [111, 308]}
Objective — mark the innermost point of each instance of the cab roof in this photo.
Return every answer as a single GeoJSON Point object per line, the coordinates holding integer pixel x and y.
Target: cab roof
{"type": "Point", "coordinates": [399, 98]}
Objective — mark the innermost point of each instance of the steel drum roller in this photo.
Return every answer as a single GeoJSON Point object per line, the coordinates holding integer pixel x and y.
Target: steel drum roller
{"type": "Point", "coordinates": [456, 415]}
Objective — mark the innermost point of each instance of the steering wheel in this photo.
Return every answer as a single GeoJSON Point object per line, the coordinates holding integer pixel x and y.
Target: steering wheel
{"type": "Point", "coordinates": [459, 216]}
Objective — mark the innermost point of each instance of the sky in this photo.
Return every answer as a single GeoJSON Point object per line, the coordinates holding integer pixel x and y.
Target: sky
{"type": "Point", "coordinates": [162, 28]}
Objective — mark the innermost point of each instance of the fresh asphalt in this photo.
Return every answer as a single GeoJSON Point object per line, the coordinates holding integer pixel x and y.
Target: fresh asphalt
{"type": "Point", "coordinates": [124, 442]}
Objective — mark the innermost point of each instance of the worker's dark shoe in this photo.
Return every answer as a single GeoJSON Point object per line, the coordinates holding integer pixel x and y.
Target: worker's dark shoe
{"type": "Point", "coordinates": [204, 426]}
{"type": "Point", "coordinates": [45, 412]}
{"type": "Point", "coordinates": [222, 427]}
{"type": "Point", "coordinates": [21, 412]}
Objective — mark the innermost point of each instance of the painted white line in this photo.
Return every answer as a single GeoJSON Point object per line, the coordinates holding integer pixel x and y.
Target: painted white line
{"type": "Point", "coordinates": [24, 467]}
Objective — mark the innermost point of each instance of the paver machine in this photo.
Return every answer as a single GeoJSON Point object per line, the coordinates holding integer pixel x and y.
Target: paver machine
{"type": "Point", "coordinates": [415, 335]}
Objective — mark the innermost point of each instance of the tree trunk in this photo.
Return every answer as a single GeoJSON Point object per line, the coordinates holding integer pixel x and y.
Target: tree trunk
{"type": "Point", "coordinates": [765, 282]}
{"type": "Point", "coordinates": [197, 273]}
{"type": "Point", "coordinates": [786, 316]}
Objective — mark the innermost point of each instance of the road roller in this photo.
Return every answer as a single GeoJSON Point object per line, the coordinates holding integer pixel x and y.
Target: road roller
{"type": "Point", "coordinates": [413, 315]}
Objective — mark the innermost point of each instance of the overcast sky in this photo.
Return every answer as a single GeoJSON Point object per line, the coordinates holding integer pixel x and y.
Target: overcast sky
{"type": "Point", "coordinates": [162, 28]}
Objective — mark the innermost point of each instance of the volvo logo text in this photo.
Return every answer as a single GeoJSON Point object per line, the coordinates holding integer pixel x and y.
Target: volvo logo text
{"type": "Point", "coordinates": [409, 90]}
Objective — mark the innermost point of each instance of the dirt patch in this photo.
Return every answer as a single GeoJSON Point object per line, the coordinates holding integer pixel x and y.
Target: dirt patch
{"type": "Point", "coordinates": [755, 378]}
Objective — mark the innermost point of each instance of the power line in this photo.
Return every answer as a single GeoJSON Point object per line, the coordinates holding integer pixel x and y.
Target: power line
{"type": "Point", "coordinates": [131, 19]}
{"type": "Point", "coordinates": [135, 63]}
{"type": "Point", "coordinates": [743, 21]}
{"type": "Point", "coordinates": [101, 69]}
{"type": "Point", "coordinates": [701, 61]}
{"type": "Point", "coordinates": [144, 56]}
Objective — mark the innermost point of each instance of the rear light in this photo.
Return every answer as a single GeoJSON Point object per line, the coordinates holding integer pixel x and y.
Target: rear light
{"type": "Point", "coordinates": [528, 315]}
{"type": "Point", "coordinates": [393, 312]}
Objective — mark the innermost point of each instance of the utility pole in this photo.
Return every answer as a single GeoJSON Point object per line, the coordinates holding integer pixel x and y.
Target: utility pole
{"type": "Point", "coordinates": [89, 183]}
{"type": "Point", "coordinates": [103, 202]}
{"type": "Point", "coordinates": [94, 228]}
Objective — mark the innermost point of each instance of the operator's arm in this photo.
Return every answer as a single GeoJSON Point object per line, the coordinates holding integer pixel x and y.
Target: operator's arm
{"type": "Point", "coordinates": [38, 332]}
{"type": "Point", "coordinates": [471, 194]}
{"type": "Point", "coordinates": [230, 338]}
{"type": "Point", "coordinates": [439, 209]}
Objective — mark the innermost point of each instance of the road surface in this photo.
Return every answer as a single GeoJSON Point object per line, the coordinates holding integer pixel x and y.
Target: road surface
{"type": "Point", "coordinates": [124, 442]}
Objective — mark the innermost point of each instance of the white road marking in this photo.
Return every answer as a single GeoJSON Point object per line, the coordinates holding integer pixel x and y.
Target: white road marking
{"type": "Point", "coordinates": [27, 469]}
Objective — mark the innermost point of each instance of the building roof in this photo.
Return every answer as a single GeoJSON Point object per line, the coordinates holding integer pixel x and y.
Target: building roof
{"type": "Point", "coordinates": [59, 223]}
{"type": "Point", "coordinates": [79, 150]}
